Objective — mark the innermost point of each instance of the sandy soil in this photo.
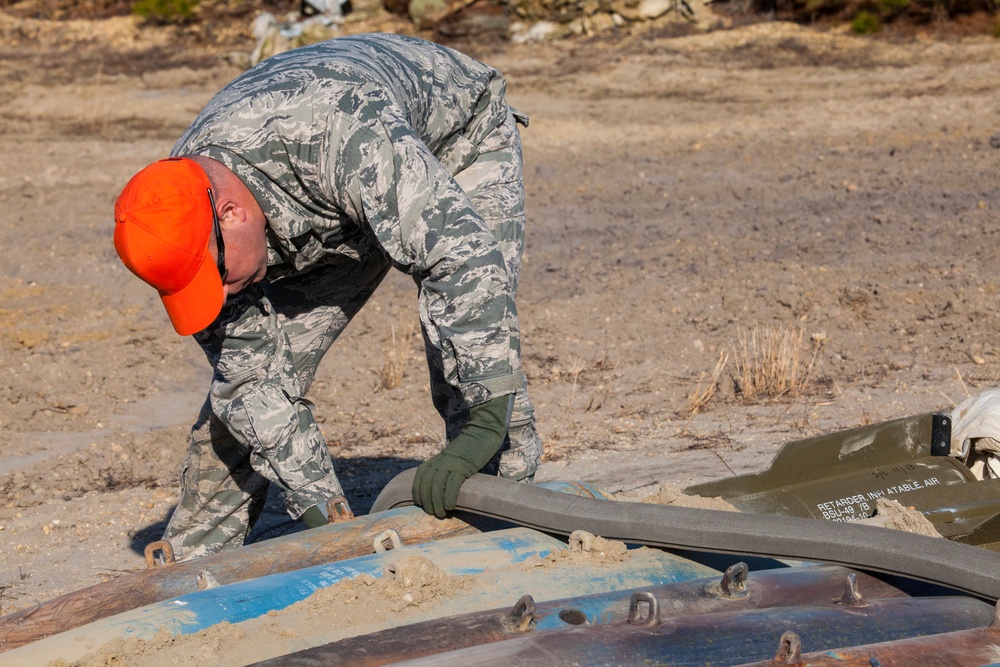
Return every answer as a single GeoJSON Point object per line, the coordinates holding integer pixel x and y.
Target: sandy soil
{"type": "Point", "coordinates": [682, 190]}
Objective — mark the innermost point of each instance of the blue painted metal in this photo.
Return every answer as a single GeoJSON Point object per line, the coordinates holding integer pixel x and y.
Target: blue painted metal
{"type": "Point", "coordinates": [784, 587]}
{"type": "Point", "coordinates": [468, 554]}
{"type": "Point", "coordinates": [325, 544]}
{"type": "Point", "coordinates": [249, 599]}
{"type": "Point", "coordinates": [644, 567]}
{"type": "Point", "coordinates": [482, 553]}
{"type": "Point", "coordinates": [690, 622]}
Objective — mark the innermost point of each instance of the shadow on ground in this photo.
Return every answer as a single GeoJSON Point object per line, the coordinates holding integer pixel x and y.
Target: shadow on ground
{"type": "Point", "coordinates": [362, 478]}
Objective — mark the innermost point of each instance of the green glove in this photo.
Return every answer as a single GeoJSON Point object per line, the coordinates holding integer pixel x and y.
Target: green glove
{"type": "Point", "coordinates": [436, 484]}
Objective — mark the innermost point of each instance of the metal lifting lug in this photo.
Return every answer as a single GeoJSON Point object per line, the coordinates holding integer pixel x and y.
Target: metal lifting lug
{"type": "Point", "coordinates": [338, 510]}
{"type": "Point", "coordinates": [158, 554]}
{"type": "Point", "coordinates": [852, 597]}
{"type": "Point", "coordinates": [205, 580]}
{"type": "Point", "coordinates": [580, 541]}
{"type": "Point", "coordinates": [652, 616]}
{"type": "Point", "coordinates": [521, 617]}
{"type": "Point", "coordinates": [387, 540]}
{"type": "Point", "coordinates": [734, 582]}
{"type": "Point", "coordinates": [789, 650]}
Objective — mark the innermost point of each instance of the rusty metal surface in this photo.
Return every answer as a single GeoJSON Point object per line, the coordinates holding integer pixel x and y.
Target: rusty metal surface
{"type": "Point", "coordinates": [497, 560]}
{"type": "Point", "coordinates": [338, 541]}
{"type": "Point", "coordinates": [282, 554]}
{"type": "Point", "coordinates": [724, 639]}
{"type": "Point", "coordinates": [737, 590]}
{"type": "Point", "coordinates": [396, 644]}
{"type": "Point", "coordinates": [965, 648]}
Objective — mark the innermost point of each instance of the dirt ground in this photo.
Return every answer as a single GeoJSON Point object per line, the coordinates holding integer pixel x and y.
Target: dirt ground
{"type": "Point", "coordinates": [682, 190]}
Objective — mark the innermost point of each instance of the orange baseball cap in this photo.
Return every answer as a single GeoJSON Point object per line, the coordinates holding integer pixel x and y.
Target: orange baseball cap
{"type": "Point", "coordinates": [163, 222]}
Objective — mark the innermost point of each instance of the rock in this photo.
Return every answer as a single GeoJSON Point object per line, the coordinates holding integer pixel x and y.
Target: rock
{"type": "Point", "coordinates": [891, 514]}
{"type": "Point", "coordinates": [601, 21]}
{"type": "Point", "coordinates": [274, 36]}
{"type": "Point", "coordinates": [651, 9]}
{"type": "Point", "coordinates": [628, 9]}
{"type": "Point", "coordinates": [422, 9]}
{"type": "Point", "coordinates": [670, 494]}
{"type": "Point", "coordinates": [539, 32]}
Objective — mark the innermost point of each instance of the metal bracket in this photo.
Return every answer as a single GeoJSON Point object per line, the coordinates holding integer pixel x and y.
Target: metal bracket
{"type": "Point", "coordinates": [734, 582]}
{"type": "Point", "coordinates": [789, 650]}
{"type": "Point", "coordinates": [338, 510]}
{"type": "Point", "coordinates": [521, 617]}
{"type": "Point", "coordinates": [580, 541]}
{"type": "Point", "coordinates": [652, 616]}
{"type": "Point", "coordinates": [387, 540]}
{"type": "Point", "coordinates": [852, 596]}
{"type": "Point", "coordinates": [205, 580]}
{"type": "Point", "coordinates": [940, 434]}
{"type": "Point", "coordinates": [158, 554]}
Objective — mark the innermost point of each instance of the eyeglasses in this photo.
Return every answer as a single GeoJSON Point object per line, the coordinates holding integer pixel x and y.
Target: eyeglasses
{"type": "Point", "coordinates": [220, 245]}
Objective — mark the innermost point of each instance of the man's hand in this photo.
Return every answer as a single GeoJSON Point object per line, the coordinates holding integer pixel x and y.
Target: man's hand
{"type": "Point", "coordinates": [436, 484]}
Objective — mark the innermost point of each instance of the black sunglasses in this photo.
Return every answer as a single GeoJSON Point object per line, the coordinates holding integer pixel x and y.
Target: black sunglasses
{"type": "Point", "coordinates": [220, 245]}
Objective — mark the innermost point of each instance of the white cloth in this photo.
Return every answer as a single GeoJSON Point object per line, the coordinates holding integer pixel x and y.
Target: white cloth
{"type": "Point", "coordinates": [975, 433]}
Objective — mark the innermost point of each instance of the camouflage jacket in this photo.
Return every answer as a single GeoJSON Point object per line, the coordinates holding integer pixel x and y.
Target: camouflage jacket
{"type": "Point", "coordinates": [349, 146]}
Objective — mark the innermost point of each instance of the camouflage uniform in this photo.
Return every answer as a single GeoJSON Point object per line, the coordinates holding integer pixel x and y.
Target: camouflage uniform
{"type": "Point", "coordinates": [364, 153]}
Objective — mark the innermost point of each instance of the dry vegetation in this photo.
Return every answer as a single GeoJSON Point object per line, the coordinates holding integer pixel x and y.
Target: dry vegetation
{"type": "Point", "coordinates": [680, 189]}
{"type": "Point", "coordinates": [769, 362]}
{"type": "Point", "coordinates": [481, 18]}
{"type": "Point", "coordinates": [397, 350]}
{"type": "Point", "coordinates": [708, 385]}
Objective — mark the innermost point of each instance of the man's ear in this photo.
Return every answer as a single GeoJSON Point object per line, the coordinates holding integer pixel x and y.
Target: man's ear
{"type": "Point", "coordinates": [231, 212]}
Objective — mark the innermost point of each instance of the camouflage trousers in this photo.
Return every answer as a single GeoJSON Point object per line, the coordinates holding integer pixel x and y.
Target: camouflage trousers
{"type": "Point", "coordinates": [224, 483]}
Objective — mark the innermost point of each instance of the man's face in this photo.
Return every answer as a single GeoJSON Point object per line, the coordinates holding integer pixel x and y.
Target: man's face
{"type": "Point", "coordinates": [246, 251]}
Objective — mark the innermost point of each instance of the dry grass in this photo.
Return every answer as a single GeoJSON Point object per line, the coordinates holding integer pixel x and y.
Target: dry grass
{"type": "Point", "coordinates": [704, 392]}
{"type": "Point", "coordinates": [770, 362]}
{"type": "Point", "coordinates": [397, 350]}
{"type": "Point", "coordinates": [574, 370]}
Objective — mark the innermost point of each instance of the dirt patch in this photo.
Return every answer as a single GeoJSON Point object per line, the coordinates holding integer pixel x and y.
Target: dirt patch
{"type": "Point", "coordinates": [584, 549]}
{"type": "Point", "coordinates": [891, 514]}
{"type": "Point", "coordinates": [201, 647]}
{"type": "Point", "coordinates": [681, 189]}
{"type": "Point", "coordinates": [669, 494]}
{"type": "Point", "coordinates": [410, 586]}
{"type": "Point", "coordinates": [410, 582]}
